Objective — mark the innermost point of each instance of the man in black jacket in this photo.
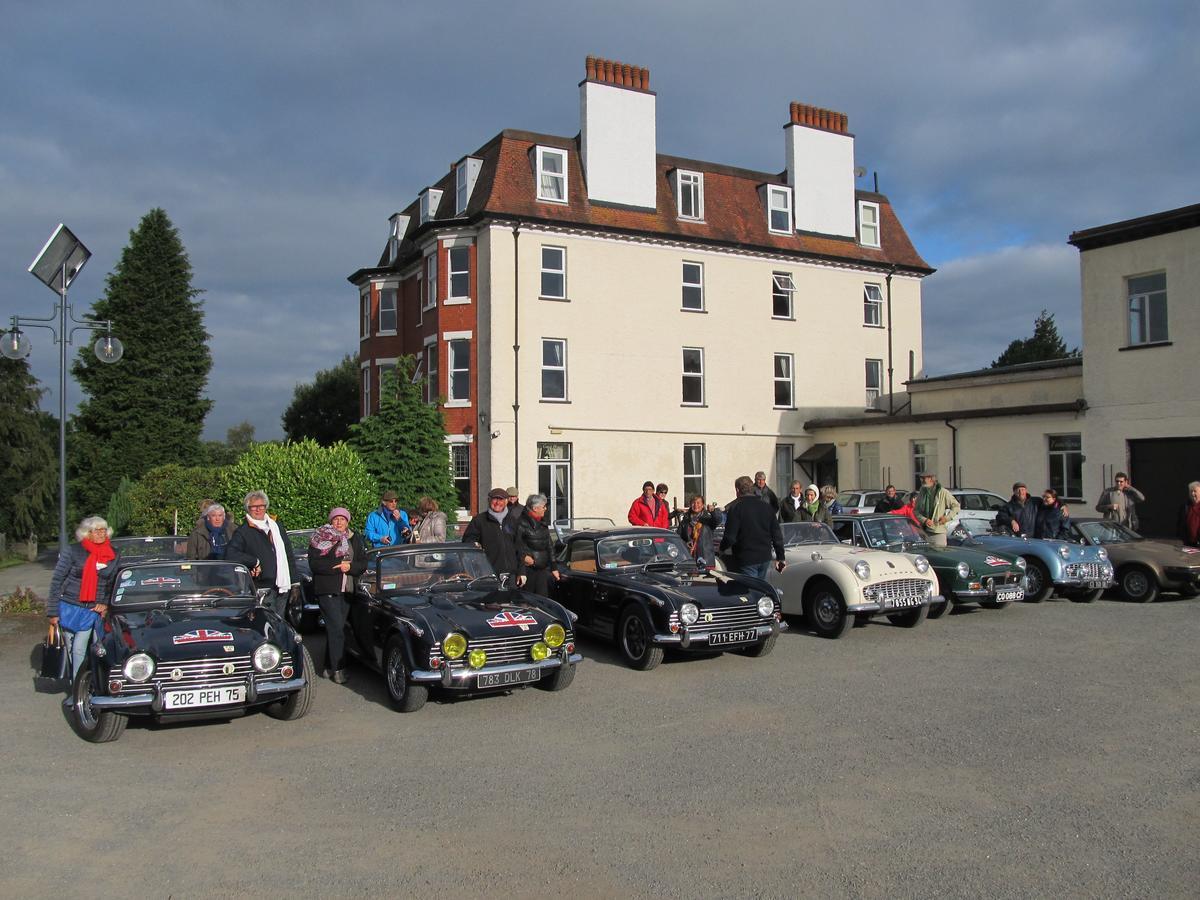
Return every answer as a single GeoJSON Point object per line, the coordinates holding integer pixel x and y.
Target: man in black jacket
{"type": "Point", "coordinates": [1019, 515]}
{"type": "Point", "coordinates": [493, 530]}
{"type": "Point", "coordinates": [764, 493]}
{"type": "Point", "coordinates": [752, 532]}
{"type": "Point", "coordinates": [535, 548]}
{"type": "Point", "coordinates": [889, 502]}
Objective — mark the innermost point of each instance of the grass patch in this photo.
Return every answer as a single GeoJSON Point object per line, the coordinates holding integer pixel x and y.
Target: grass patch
{"type": "Point", "coordinates": [11, 559]}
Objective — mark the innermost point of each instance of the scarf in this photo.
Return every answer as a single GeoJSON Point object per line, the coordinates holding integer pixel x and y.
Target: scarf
{"type": "Point", "coordinates": [328, 538]}
{"type": "Point", "coordinates": [927, 501]}
{"type": "Point", "coordinates": [498, 516]}
{"type": "Point", "coordinates": [97, 554]}
{"type": "Point", "coordinates": [695, 531]}
{"type": "Point", "coordinates": [283, 572]}
{"type": "Point", "coordinates": [217, 538]}
{"type": "Point", "coordinates": [813, 507]}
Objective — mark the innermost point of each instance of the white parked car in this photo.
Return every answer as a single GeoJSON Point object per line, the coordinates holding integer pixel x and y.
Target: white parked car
{"type": "Point", "coordinates": [831, 583]}
{"type": "Point", "coordinates": [979, 508]}
{"type": "Point", "coordinates": [855, 502]}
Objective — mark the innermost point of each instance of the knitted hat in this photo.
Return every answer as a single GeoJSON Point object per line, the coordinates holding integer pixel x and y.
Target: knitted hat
{"type": "Point", "coordinates": [339, 511]}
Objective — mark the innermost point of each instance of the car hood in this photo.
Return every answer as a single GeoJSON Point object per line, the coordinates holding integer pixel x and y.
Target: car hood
{"type": "Point", "coordinates": [882, 562]}
{"type": "Point", "coordinates": [1017, 546]}
{"type": "Point", "coordinates": [178, 634]}
{"type": "Point", "coordinates": [702, 589]}
{"type": "Point", "coordinates": [481, 613]}
{"type": "Point", "coordinates": [982, 562]}
{"type": "Point", "coordinates": [1160, 552]}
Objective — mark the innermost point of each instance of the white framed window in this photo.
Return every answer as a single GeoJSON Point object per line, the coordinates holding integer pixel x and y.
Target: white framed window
{"type": "Point", "coordinates": [465, 174]}
{"type": "Point", "coordinates": [1066, 465]}
{"type": "Point", "coordinates": [874, 382]}
{"type": "Point", "coordinates": [785, 381]}
{"type": "Point", "coordinates": [460, 469]}
{"type": "Point", "coordinates": [779, 209]}
{"type": "Point", "coordinates": [689, 189]}
{"type": "Point", "coordinates": [459, 275]}
{"type": "Point", "coordinates": [785, 458]}
{"type": "Point", "coordinates": [868, 223]}
{"type": "Point", "coordinates": [1148, 309]}
{"type": "Point", "coordinates": [430, 198]}
{"type": "Point", "coordinates": [782, 290]}
{"type": "Point", "coordinates": [554, 369]}
{"type": "Point", "coordinates": [431, 280]}
{"type": "Point", "coordinates": [924, 457]}
{"type": "Point", "coordinates": [693, 286]}
{"type": "Point", "coordinates": [693, 471]}
{"type": "Point", "coordinates": [387, 310]}
{"type": "Point", "coordinates": [554, 273]}
{"type": "Point", "coordinates": [552, 174]}
{"type": "Point", "coordinates": [431, 373]}
{"type": "Point", "coordinates": [872, 307]}
{"type": "Point", "coordinates": [366, 389]}
{"type": "Point", "coordinates": [693, 376]}
{"type": "Point", "coordinates": [366, 315]}
{"type": "Point", "coordinates": [458, 375]}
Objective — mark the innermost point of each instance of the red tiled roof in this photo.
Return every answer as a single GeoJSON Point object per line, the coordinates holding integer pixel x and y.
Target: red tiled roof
{"type": "Point", "coordinates": [733, 209]}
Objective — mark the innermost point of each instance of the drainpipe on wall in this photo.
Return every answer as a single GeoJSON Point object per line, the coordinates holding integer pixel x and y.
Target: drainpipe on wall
{"type": "Point", "coordinates": [953, 456]}
{"type": "Point", "coordinates": [891, 398]}
{"type": "Point", "coordinates": [516, 355]}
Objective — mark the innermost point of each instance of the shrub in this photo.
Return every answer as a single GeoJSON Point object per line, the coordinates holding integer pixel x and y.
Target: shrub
{"type": "Point", "coordinates": [303, 481]}
{"type": "Point", "coordinates": [119, 507]}
{"type": "Point", "coordinates": [167, 492]}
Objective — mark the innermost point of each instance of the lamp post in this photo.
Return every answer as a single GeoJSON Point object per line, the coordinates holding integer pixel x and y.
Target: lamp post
{"type": "Point", "coordinates": [56, 267]}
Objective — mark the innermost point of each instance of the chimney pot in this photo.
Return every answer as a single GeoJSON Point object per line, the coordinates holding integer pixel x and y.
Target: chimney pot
{"type": "Point", "coordinates": [608, 71]}
{"type": "Point", "coordinates": [590, 67]}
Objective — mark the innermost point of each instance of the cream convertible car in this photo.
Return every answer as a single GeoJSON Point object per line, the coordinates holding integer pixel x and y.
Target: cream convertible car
{"type": "Point", "coordinates": [832, 584]}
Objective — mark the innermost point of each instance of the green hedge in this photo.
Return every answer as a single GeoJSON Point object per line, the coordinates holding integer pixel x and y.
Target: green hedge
{"type": "Point", "coordinates": [165, 491]}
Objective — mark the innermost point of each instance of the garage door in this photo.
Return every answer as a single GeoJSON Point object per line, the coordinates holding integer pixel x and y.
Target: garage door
{"type": "Point", "coordinates": [1161, 468]}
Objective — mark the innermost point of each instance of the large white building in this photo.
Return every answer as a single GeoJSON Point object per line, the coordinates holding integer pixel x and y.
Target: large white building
{"type": "Point", "coordinates": [592, 313]}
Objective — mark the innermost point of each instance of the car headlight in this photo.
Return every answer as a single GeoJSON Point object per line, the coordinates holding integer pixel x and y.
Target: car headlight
{"type": "Point", "coordinates": [1064, 551]}
{"type": "Point", "coordinates": [554, 636]}
{"type": "Point", "coordinates": [1103, 553]}
{"type": "Point", "coordinates": [766, 606]}
{"type": "Point", "coordinates": [689, 613]}
{"type": "Point", "coordinates": [139, 667]}
{"type": "Point", "coordinates": [862, 570]}
{"type": "Point", "coordinates": [266, 657]}
{"type": "Point", "coordinates": [476, 659]}
{"type": "Point", "coordinates": [963, 570]}
{"type": "Point", "coordinates": [538, 651]}
{"type": "Point", "coordinates": [1021, 564]}
{"type": "Point", "coordinates": [921, 564]}
{"type": "Point", "coordinates": [454, 646]}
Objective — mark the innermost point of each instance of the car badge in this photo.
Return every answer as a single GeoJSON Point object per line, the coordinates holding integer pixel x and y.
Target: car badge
{"type": "Point", "coordinates": [202, 635]}
{"type": "Point", "coordinates": [996, 561]}
{"type": "Point", "coordinates": [227, 668]}
{"type": "Point", "coordinates": [176, 674]}
{"type": "Point", "coordinates": [229, 648]}
{"type": "Point", "coordinates": [508, 619]}
{"type": "Point", "coordinates": [744, 599]}
{"type": "Point", "coordinates": [708, 617]}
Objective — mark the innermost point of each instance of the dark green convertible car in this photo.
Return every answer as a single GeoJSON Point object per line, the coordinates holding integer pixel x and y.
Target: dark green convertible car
{"type": "Point", "coordinates": [965, 575]}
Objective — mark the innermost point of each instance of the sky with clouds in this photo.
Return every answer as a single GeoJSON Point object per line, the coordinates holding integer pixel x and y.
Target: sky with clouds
{"type": "Point", "coordinates": [280, 136]}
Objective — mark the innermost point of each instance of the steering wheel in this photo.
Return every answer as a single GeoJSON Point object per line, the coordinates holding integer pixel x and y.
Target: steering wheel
{"type": "Point", "coordinates": [217, 592]}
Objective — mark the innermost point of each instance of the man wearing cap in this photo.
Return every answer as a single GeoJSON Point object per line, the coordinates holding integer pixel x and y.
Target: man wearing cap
{"type": "Point", "coordinates": [651, 509]}
{"type": "Point", "coordinates": [934, 507]}
{"type": "Point", "coordinates": [388, 525]}
{"type": "Point", "coordinates": [515, 507]}
{"type": "Point", "coordinates": [493, 530]}
{"type": "Point", "coordinates": [1019, 515]}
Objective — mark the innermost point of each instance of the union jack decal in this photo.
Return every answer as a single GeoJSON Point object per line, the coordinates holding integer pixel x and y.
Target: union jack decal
{"type": "Point", "coordinates": [508, 619]}
{"type": "Point", "coordinates": [200, 636]}
{"type": "Point", "coordinates": [996, 561]}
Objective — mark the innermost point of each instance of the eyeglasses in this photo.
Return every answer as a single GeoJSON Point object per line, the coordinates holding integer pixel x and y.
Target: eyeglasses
{"type": "Point", "coordinates": [1048, 497]}
{"type": "Point", "coordinates": [257, 506]}
{"type": "Point", "coordinates": [661, 492]}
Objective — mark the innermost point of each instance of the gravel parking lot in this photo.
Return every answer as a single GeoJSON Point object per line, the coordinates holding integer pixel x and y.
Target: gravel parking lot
{"type": "Point", "coordinates": [1042, 750]}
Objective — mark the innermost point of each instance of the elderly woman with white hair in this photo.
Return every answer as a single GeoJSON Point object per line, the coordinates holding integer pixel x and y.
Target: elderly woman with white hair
{"type": "Point", "coordinates": [535, 548]}
{"type": "Point", "coordinates": [211, 535]}
{"type": "Point", "coordinates": [261, 545]}
{"type": "Point", "coordinates": [80, 585]}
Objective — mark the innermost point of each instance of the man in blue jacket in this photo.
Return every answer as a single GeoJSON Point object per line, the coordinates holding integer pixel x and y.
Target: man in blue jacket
{"type": "Point", "coordinates": [388, 525]}
{"type": "Point", "coordinates": [1019, 515]}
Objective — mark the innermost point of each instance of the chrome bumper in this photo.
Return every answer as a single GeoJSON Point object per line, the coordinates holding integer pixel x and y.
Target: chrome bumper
{"type": "Point", "coordinates": [153, 701]}
{"type": "Point", "coordinates": [876, 608]}
{"type": "Point", "coordinates": [685, 638]}
{"type": "Point", "coordinates": [448, 677]}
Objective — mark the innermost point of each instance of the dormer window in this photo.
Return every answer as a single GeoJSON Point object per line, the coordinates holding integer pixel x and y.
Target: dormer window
{"type": "Point", "coordinates": [689, 191]}
{"type": "Point", "coordinates": [552, 174]}
{"type": "Point", "coordinates": [779, 209]}
{"type": "Point", "coordinates": [397, 225]}
{"type": "Point", "coordinates": [465, 174]}
{"type": "Point", "coordinates": [868, 223]}
{"type": "Point", "coordinates": [430, 198]}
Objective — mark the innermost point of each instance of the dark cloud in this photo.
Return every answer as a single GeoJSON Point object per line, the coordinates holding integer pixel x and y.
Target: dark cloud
{"type": "Point", "coordinates": [279, 137]}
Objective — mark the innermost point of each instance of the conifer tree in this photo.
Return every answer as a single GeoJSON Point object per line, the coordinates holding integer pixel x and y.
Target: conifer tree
{"type": "Point", "coordinates": [404, 444]}
{"type": "Point", "coordinates": [148, 409]}
{"type": "Point", "coordinates": [28, 455]}
{"type": "Point", "coordinates": [1046, 343]}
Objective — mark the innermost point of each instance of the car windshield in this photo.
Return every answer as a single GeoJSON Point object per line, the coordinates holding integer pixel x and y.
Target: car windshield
{"type": "Point", "coordinates": [163, 582]}
{"type": "Point", "coordinates": [299, 539]}
{"type": "Point", "coordinates": [618, 552]}
{"type": "Point", "coordinates": [150, 547]}
{"type": "Point", "coordinates": [848, 498]}
{"type": "Point", "coordinates": [892, 530]}
{"type": "Point", "coordinates": [797, 533]}
{"type": "Point", "coordinates": [565, 527]}
{"type": "Point", "coordinates": [1108, 533]}
{"type": "Point", "coordinates": [420, 570]}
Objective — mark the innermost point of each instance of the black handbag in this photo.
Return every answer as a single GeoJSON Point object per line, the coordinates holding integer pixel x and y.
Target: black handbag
{"type": "Point", "coordinates": [56, 663]}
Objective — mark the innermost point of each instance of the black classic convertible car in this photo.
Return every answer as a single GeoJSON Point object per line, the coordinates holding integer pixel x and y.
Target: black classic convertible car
{"type": "Point", "coordinates": [436, 616]}
{"type": "Point", "coordinates": [641, 588]}
{"type": "Point", "coordinates": [187, 640]}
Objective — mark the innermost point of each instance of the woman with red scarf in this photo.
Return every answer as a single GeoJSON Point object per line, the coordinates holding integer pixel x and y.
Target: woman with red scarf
{"type": "Point", "coordinates": [80, 586]}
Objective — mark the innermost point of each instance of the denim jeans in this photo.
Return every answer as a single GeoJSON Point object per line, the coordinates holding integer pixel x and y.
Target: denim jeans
{"type": "Point", "coordinates": [757, 570]}
{"type": "Point", "coordinates": [79, 641]}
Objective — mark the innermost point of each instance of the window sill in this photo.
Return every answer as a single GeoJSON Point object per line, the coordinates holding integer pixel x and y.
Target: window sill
{"type": "Point", "coordinates": [456, 301]}
{"type": "Point", "coordinates": [788, 233]}
{"type": "Point", "coordinates": [552, 200]}
{"type": "Point", "coordinates": [789, 408]}
{"type": "Point", "coordinates": [783, 318]}
{"type": "Point", "coordinates": [870, 246]}
{"type": "Point", "coordinates": [562, 402]}
{"type": "Point", "coordinates": [693, 405]}
{"type": "Point", "coordinates": [870, 325]}
{"type": "Point", "coordinates": [1146, 346]}
{"type": "Point", "coordinates": [692, 220]}
{"type": "Point", "coordinates": [555, 299]}
{"type": "Point", "coordinates": [391, 333]}
{"type": "Point", "coordinates": [689, 309]}
{"type": "Point", "coordinates": [456, 404]}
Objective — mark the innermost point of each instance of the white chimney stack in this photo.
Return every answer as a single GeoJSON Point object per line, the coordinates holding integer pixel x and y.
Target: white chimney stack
{"type": "Point", "coordinates": [618, 134]}
{"type": "Point", "coordinates": [820, 169]}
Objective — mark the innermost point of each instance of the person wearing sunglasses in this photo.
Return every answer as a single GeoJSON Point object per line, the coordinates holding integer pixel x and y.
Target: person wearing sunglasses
{"type": "Point", "coordinates": [651, 508]}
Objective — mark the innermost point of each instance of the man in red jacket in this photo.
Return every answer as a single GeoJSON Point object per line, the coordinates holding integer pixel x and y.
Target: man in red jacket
{"type": "Point", "coordinates": [651, 508]}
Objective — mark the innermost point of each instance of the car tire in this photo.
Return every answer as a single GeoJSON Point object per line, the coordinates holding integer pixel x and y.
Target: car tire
{"type": "Point", "coordinates": [1038, 578]}
{"type": "Point", "coordinates": [910, 619]}
{"type": "Point", "coordinates": [294, 610]}
{"type": "Point", "coordinates": [825, 609]}
{"type": "Point", "coordinates": [1138, 584]}
{"type": "Point", "coordinates": [635, 640]}
{"type": "Point", "coordinates": [88, 722]}
{"type": "Point", "coordinates": [404, 696]}
{"type": "Point", "coordinates": [761, 649]}
{"type": "Point", "coordinates": [295, 705]}
{"type": "Point", "coordinates": [1088, 596]}
{"type": "Point", "coordinates": [558, 680]}
{"type": "Point", "coordinates": [942, 608]}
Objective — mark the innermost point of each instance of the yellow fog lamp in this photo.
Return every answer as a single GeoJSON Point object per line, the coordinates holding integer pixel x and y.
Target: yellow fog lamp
{"type": "Point", "coordinates": [539, 651]}
{"type": "Point", "coordinates": [454, 646]}
{"type": "Point", "coordinates": [555, 635]}
{"type": "Point", "coordinates": [476, 659]}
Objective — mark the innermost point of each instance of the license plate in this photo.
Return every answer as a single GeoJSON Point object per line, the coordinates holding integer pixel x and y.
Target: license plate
{"type": "Point", "coordinates": [1096, 585]}
{"type": "Point", "coordinates": [901, 602]}
{"type": "Point", "coordinates": [1010, 595]}
{"type": "Point", "coordinates": [733, 637]}
{"type": "Point", "coordinates": [500, 679]}
{"type": "Point", "coordinates": [217, 696]}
